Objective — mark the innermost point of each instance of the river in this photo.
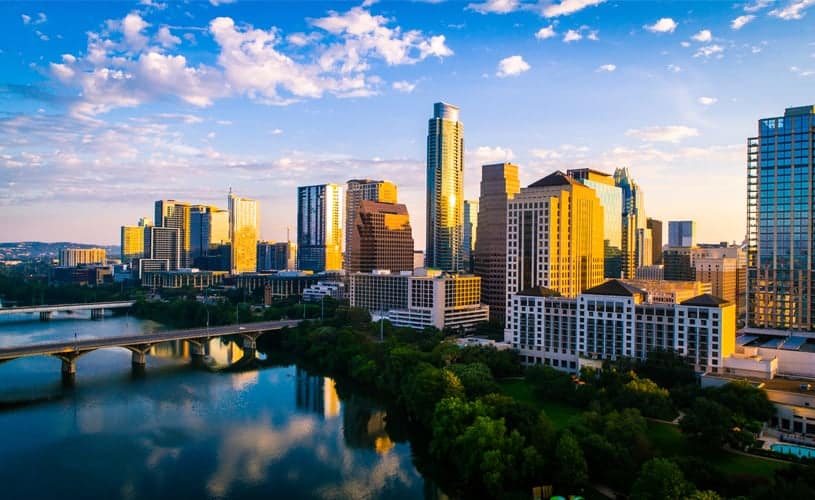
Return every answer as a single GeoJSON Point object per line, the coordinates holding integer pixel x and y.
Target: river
{"type": "Point", "coordinates": [182, 431]}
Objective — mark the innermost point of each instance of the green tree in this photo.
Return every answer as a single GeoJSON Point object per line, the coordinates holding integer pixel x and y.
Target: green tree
{"type": "Point", "coordinates": [661, 479]}
{"type": "Point", "coordinates": [426, 386]}
{"type": "Point", "coordinates": [476, 378]}
{"type": "Point", "coordinates": [571, 472]}
{"type": "Point", "coordinates": [707, 424]}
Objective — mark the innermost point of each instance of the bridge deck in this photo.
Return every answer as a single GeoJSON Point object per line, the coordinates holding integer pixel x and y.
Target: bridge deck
{"type": "Point", "coordinates": [132, 340]}
{"type": "Point", "coordinates": [67, 307]}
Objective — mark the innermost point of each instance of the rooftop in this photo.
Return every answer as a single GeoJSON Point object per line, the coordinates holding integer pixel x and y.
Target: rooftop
{"type": "Point", "coordinates": [539, 291]}
{"type": "Point", "coordinates": [706, 300]}
{"type": "Point", "coordinates": [556, 178]}
{"type": "Point", "coordinates": [614, 288]}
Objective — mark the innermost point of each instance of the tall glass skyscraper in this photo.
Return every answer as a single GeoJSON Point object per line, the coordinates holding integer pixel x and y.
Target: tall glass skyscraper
{"type": "Point", "coordinates": [611, 198]}
{"type": "Point", "coordinates": [469, 234]}
{"type": "Point", "coordinates": [243, 233]}
{"type": "Point", "coordinates": [319, 230]}
{"type": "Point", "coordinates": [356, 191]}
{"type": "Point", "coordinates": [445, 189]}
{"type": "Point", "coordinates": [780, 223]}
{"type": "Point", "coordinates": [633, 219]}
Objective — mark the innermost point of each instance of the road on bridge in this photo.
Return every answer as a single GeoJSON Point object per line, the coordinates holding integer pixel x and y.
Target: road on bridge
{"type": "Point", "coordinates": [84, 306]}
{"type": "Point", "coordinates": [136, 340]}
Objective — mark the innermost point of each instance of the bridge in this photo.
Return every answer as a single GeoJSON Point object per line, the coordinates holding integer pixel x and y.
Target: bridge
{"type": "Point", "coordinates": [97, 309]}
{"type": "Point", "coordinates": [139, 345]}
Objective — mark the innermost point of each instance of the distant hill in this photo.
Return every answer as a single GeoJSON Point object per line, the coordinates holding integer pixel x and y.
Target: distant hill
{"type": "Point", "coordinates": [28, 250]}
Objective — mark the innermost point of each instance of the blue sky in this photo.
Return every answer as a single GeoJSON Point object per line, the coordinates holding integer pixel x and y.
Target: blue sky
{"type": "Point", "coordinates": [108, 106]}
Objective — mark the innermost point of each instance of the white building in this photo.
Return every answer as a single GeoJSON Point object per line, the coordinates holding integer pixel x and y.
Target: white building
{"type": "Point", "coordinates": [322, 289]}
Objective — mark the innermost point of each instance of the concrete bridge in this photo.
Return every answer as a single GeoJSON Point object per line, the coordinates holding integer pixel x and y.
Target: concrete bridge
{"type": "Point", "coordinates": [97, 309]}
{"type": "Point", "coordinates": [139, 345]}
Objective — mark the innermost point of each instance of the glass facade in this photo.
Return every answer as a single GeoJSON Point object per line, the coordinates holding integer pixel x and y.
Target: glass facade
{"type": "Point", "coordinates": [319, 231]}
{"type": "Point", "coordinates": [779, 221]}
{"type": "Point", "coordinates": [633, 219]}
{"type": "Point", "coordinates": [243, 234]}
{"type": "Point", "coordinates": [611, 198]}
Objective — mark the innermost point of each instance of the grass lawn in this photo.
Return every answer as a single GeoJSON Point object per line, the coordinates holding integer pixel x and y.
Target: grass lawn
{"type": "Point", "coordinates": [733, 464]}
{"type": "Point", "coordinates": [559, 414]}
{"type": "Point", "coordinates": [667, 439]}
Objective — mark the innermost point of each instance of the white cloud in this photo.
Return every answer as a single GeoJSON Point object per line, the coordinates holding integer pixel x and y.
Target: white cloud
{"type": "Point", "coordinates": [707, 101]}
{"type": "Point", "coordinates": [484, 155]}
{"type": "Point", "coordinates": [664, 25]}
{"type": "Point", "coordinates": [494, 6]}
{"type": "Point", "coordinates": [546, 154]}
{"type": "Point", "coordinates": [685, 44]}
{"type": "Point", "coordinates": [673, 68]}
{"type": "Point", "coordinates": [153, 4]}
{"type": "Point", "coordinates": [404, 86]}
{"type": "Point", "coordinates": [802, 72]}
{"type": "Point", "coordinates": [703, 36]}
{"type": "Point", "coordinates": [567, 7]}
{"type": "Point", "coordinates": [739, 22]}
{"type": "Point", "coordinates": [511, 66]}
{"type": "Point", "coordinates": [757, 5]}
{"type": "Point", "coordinates": [607, 67]}
{"type": "Point", "coordinates": [547, 32]}
{"type": "Point", "coordinates": [572, 36]}
{"type": "Point", "coordinates": [167, 39]}
{"type": "Point", "coordinates": [667, 133]}
{"type": "Point", "coordinates": [26, 19]}
{"type": "Point", "coordinates": [794, 10]}
{"type": "Point", "coordinates": [132, 26]}
{"type": "Point", "coordinates": [277, 131]}
{"type": "Point", "coordinates": [221, 2]}
{"type": "Point", "coordinates": [709, 50]}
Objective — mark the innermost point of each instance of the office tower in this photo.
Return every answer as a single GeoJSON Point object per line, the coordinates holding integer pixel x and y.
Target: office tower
{"type": "Point", "coordinates": [209, 228]}
{"type": "Point", "coordinates": [499, 184]}
{"type": "Point", "coordinates": [681, 233]}
{"type": "Point", "coordinates": [633, 218]}
{"type": "Point", "coordinates": [442, 301]}
{"type": "Point", "coordinates": [132, 243]}
{"type": "Point", "coordinates": [780, 249]}
{"type": "Point", "coordinates": [276, 256]}
{"type": "Point", "coordinates": [678, 264]}
{"type": "Point", "coordinates": [381, 238]}
{"type": "Point", "coordinates": [165, 245]}
{"type": "Point", "coordinates": [469, 234]}
{"type": "Point", "coordinates": [656, 239]}
{"type": "Point", "coordinates": [611, 198]}
{"type": "Point", "coordinates": [176, 215]}
{"type": "Point", "coordinates": [445, 189]}
{"type": "Point", "coordinates": [243, 234]}
{"type": "Point", "coordinates": [356, 191]}
{"type": "Point", "coordinates": [644, 242]}
{"type": "Point", "coordinates": [72, 257]}
{"type": "Point", "coordinates": [725, 268]}
{"type": "Point", "coordinates": [319, 230]}
{"type": "Point", "coordinates": [554, 237]}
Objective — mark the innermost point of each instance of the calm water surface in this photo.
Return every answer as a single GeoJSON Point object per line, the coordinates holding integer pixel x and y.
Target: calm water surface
{"type": "Point", "coordinates": [184, 431]}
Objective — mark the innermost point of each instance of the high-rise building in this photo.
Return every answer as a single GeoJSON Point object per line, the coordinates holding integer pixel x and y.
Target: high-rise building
{"type": "Point", "coordinates": [645, 242]}
{"type": "Point", "coordinates": [445, 189]}
{"type": "Point", "coordinates": [554, 237]}
{"type": "Point", "coordinates": [319, 228]}
{"type": "Point", "coordinates": [381, 238]}
{"type": "Point", "coordinates": [72, 257]}
{"type": "Point", "coordinates": [243, 233]}
{"type": "Point", "coordinates": [681, 233]}
{"type": "Point", "coordinates": [132, 243]}
{"type": "Point", "coordinates": [165, 245]}
{"type": "Point", "coordinates": [611, 198]}
{"type": "Point", "coordinates": [678, 264]}
{"type": "Point", "coordinates": [209, 228]}
{"type": "Point", "coordinates": [356, 191]}
{"type": "Point", "coordinates": [780, 243]}
{"type": "Point", "coordinates": [276, 256]}
{"type": "Point", "coordinates": [656, 239]}
{"type": "Point", "coordinates": [633, 218]}
{"type": "Point", "coordinates": [499, 184]}
{"type": "Point", "coordinates": [725, 268]}
{"type": "Point", "coordinates": [176, 215]}
{"type": "Point", "coordinates": [470, 234]}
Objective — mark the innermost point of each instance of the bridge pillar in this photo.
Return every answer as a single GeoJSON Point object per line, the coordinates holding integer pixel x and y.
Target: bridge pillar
{"type": "Point", "coordinates": [249, 342]}
{"type": "Point", "coordinates": [45, 316]}
{"type": "Point", "coordinates": [139, 358]}
{"type": "Point", "coordinates": [197, 349]}
{"type": "Point", "coordinates": [68, 365]}
{"type": "Point", "coordinates": [97, 313]}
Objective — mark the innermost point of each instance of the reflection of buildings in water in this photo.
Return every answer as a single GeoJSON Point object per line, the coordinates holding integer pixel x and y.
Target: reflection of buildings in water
{"type": "Point", "coordinates": [242, 380]}
{"type": "Point", "coordinates": [364, 426]}
{"type": "Point", "coordinates": [173, 349]}
{"type": "Point", "coordinates": [224, 354]}
{"type": "Point", "coordinates": [316, 395]}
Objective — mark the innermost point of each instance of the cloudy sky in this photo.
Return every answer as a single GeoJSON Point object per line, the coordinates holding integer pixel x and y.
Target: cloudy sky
{"type": "Point", "coordinates": [108, 106]}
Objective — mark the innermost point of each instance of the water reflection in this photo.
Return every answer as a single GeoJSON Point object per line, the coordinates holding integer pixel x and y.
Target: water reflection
{"type": "Point", "coordinates": [316, 395]}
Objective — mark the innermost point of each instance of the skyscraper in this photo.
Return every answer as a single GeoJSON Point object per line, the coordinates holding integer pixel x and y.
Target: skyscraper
{"type": "Point", "coordinates": [176, 215]}
{"type": "Point", "coordinates": [611, 197]}
{"type": "Point", "coordinates": [276, 256]}
{"type": "Point", "coordinates": [780, 242]}
{"type": "Point", "coordinates": [132, 243]}
{"type": "Point", "coordinates": [633, 218]}
{"type": "Point", "coordinates": [499, 184]}
{"type": "Point", "coordinates": [681, 233]}
{"type": "Point", "coordinates": [356, 191]}
{"type": "Point", "coordinates": [319, 230]}
{"type": "Point", "coordinates": [381, 238]}
{"type": "Point", "coordinates": [209, 228]}
{"type": "Point", "coordinates": [165, 244]}
{"type": "Point", "coordinates": [656, 239]}
{"type": "Point", "coordinates": [470, 234]}
{"type": "Point", "coordinates": [554, 237]}
{"type": "Point", "coordinates": [445, 189]}
{"type": "Point", "coordinates": [243, 233]}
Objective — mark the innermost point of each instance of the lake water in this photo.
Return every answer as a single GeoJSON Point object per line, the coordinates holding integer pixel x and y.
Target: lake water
{"type": "Point", "coordinates": [183, 431]}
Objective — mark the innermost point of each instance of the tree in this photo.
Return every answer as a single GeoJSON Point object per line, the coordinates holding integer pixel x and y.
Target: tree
{"type": "Point", "coordinates": [571, 472]}
{"type": "Point", "coordinates": [706, 424]}
{"type": "Point", "coordinates": [476, 378]}
{"type": "Point", "coordinates": [426, 386]}
{"type": "Point", "coordinates": [661, 479]}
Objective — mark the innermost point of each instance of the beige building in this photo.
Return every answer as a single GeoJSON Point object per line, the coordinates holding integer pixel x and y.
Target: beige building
{"type": "Point", "coordinates": [381, 238]}
{"type": "Point", "coordinates": [356, 191]}
{"type": "Point", "coordinates": [499, 184]}
{"type": "Point", "coordinates": [379, 291]}
{"type": "Point", "coordinates": [243, 234]}
{"type": "Point", "coordinates": [725, 268]}
{"type": "Point", "coordinates": [554, 237]}
{"type": "Point", "coordinates": [72, 257]}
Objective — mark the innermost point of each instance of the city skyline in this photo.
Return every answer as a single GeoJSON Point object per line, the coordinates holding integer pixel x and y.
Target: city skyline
{"type": "Point", "coordinates": [546, 89]}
